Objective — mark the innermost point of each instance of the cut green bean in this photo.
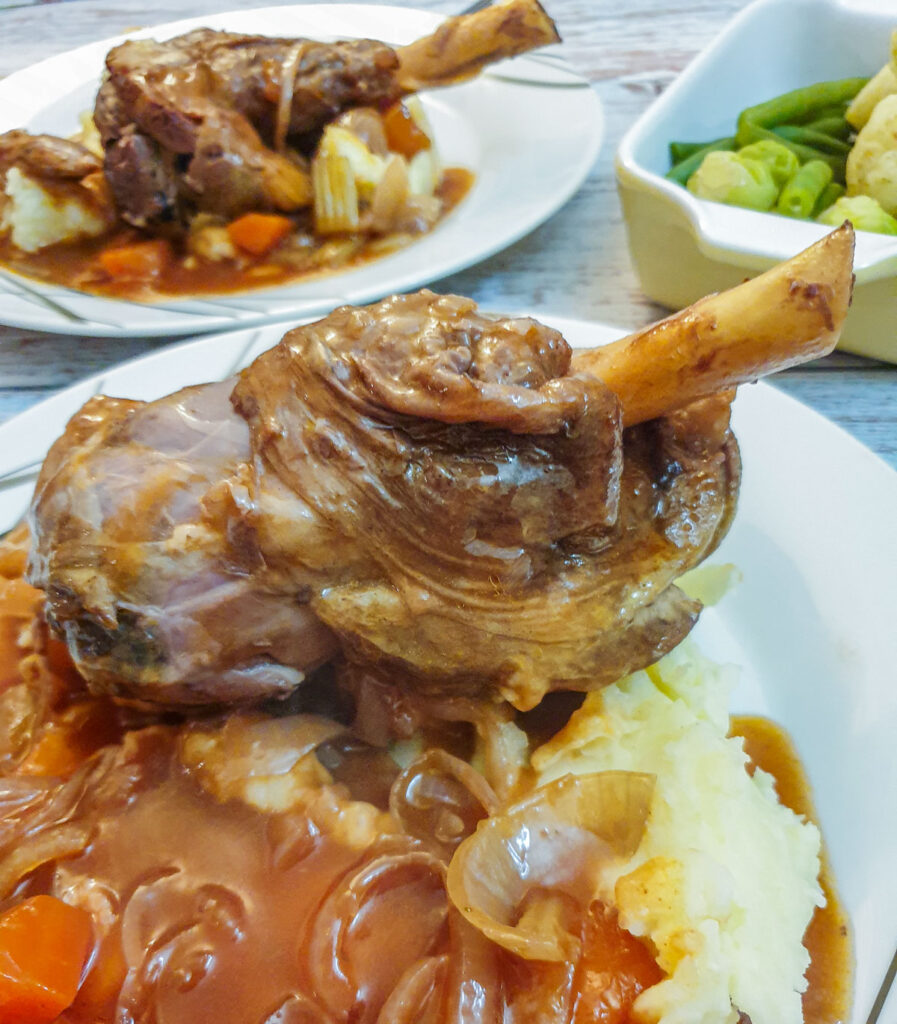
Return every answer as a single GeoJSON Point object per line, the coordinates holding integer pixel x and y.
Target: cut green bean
{"type": "Point", "coordinates": [833, 125]}
{"type": "Point", "coordinates": [814, 114]}
{"type": "Point", "coordinates": [837, 161]}
{"type": "Point", "coordinates": [819, 141]}
{"type": "Point", "coordinates": [829, 195]}
{"type": "Point", "coordinates": [800, 195]}
{"type": "Point", "coordinates": [683, 170]}
{"type": "Point", "coordinates": [791, 106]}
{"type": "Point", "coordinates": [680, 151]}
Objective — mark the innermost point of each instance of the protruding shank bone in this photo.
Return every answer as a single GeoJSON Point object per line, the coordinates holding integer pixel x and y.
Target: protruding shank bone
{"type": "Point", "coordinates": [788, 315]}
{"type": "Point", "coordinates": [462, 46]}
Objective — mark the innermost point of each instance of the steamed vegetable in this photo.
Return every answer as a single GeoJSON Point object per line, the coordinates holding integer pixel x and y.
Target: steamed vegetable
{"type": "Point", "coordinates": [875, 90]}
{"type": "Point", "coordinates": [780, 160]}
{"type": "Point", "coordinates": [727, 178]}
{"type": "Point", "coordinates": [863, 212]}
{"type": "Point", "coordinates": [801, 194]}
{"type": "Point", "coordinates": [805, 141]}
{"type": "Point", "coordinates": [258, 233]}
{"type": "Point", "coordinates": [44, 945]}
{"type": "Point", "coordinates": [872, 164]}
{"type": "Point", "coordinates": [686, 167]}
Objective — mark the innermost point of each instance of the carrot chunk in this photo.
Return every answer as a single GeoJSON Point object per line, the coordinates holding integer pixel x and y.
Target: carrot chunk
{"type": "Point", "coordinates": [139, 261]}
{"type": "Point", "coordinates": [79, 732]}
{"type": "Point", "coordinates": [403, 134]}
{"type": "Point", "coordinates": [258, 233]}
{"type": "Point", "coordinates": [614, 968]}
{"type": "Point", "coordinates": [44, 945]}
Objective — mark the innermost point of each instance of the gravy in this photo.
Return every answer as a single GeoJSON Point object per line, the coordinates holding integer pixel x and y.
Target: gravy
{"type": "Point", "coordinates": [75, 264]}
{"type": "Point", "coordinates": [828, 937]}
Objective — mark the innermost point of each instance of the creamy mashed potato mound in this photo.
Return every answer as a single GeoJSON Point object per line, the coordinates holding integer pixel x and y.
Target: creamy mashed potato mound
{"type": "Point", "coordinates": [724, 881]}
{"type": "Point", "coordinates": [37, 218]}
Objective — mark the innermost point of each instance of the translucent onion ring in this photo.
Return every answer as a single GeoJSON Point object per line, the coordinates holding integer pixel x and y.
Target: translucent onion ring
{"type": "Point", "coordinates": [555, 841]}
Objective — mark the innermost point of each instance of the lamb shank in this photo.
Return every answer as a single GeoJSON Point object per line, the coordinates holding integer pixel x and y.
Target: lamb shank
{"type": "Point", "coordinates": [452, 499]}
{"type": "Point", "coordinates": [218, 121]}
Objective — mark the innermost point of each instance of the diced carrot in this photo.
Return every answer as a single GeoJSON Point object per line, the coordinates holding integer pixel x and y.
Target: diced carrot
{"type": "Point", "coordinates": [403, 134]}
{"type": "Point", "coordinates": [44, 946]}
{"type": "Point", "coordinates": [258, 233]}
{"type": "Point", "coordinates": [80, 731]}
{"type": "Point", "coordinates": [614, 968]}
{"type": "Point", "coordinates": [139, 261]}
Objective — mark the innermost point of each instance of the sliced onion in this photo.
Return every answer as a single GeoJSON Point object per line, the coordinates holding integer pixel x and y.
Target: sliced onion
{"type": "Point", "coordinates": [390, 196]}
{"type": "Point", "coordinates": [288, 71]}
{"type": "Point", "coordinates": [373, 927]}
{"type": "Point", "coordinates": [50, 844]}
{"type": "Point", "coordinates": [509, 878]}
{"type": "Point", "coordinates": [439, 799]}
{"type": "Point", "coordinates": [473, 990]}
{"type": "Point", "coordinates": [417, 998]}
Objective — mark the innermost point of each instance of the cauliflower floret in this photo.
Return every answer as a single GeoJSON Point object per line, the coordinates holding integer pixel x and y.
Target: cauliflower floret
{"type": "Point", "coordinates": [37, 217]}
{"type": "Point", "coordinates": [872, 163]}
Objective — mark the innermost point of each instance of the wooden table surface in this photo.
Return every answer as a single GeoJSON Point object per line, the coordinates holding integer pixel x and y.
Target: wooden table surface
{"type": "Point", "coordinates": [576, 264]}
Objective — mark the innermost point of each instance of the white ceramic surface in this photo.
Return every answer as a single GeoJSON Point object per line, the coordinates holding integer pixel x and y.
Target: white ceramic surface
{"type": "Point", "coordinates": [811, 625]}
{"type": "Point", "coordinates": [529, 129]}
{"type": "Point", "coordinates": [685, 247]}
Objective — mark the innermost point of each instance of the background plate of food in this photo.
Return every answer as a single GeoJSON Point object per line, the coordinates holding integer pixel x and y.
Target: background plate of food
{"type": "Point", "coordinates": [798, 598]}
{"type": "Point", "coordinates": [294, 207]}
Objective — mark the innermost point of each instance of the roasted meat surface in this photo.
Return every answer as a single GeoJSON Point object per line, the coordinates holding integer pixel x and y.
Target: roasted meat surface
{"type": "Point", "coordinates": [46, 156]}
{"type": "Point", "coordinates": [449, 499]}
{"type": "Point", "coordinates": [151, 571]}
{"type": "Point", "coordinates": [202, 121]}
{"type": "Point", "coordinates": [432, 487]}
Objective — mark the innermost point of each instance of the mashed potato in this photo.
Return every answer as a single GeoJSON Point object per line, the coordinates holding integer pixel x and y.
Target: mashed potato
{"type": "Point", "coordinates": [37, 218]}
{"type": "Point", "coordinates": [724, 881]}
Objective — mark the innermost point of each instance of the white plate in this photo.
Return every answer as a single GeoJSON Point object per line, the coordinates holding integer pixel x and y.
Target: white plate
{"type": "Point", "coordinates": [811, 625]}
{"type": "Point", "coordinates": [529, 129]}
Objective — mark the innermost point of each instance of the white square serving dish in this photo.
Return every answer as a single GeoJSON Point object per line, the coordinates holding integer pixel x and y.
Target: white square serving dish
{"type": "Point", "coordinates": [684, 247]}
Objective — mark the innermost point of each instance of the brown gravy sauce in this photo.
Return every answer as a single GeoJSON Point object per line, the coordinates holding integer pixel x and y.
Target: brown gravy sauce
{"type": "Point", "coordinates": [828, 936]}
{"type": "Point", "coordinates": [215, 912]}
{"type": "Point", "coordinates": [75, 265]}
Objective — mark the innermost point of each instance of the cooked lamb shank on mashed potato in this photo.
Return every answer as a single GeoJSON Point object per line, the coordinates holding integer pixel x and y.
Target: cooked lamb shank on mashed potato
{"type": "Point", "coordinates": [394, 843]}
{"type": "Point", "coordinates": [435, 492]}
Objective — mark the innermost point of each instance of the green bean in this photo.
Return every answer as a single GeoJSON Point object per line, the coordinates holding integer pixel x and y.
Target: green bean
{"type": "Point", "coordinates": [790, 106]}
{"type": "Point", "coordinates": [680, 151]}
{"type": "Point", "coordinates": [833, 110]}
{"type": "Point", "coordinates": [837, 161]}
{"type": "Point", "coordinates": [829, 195]}
{"type": "Point", "coordinates": [819, 141]}
{"type": "Point", "coordinates": [800, 195]}
{"type": "Point", "coordinates": [683, 170]}
{"type": "Point", "coordinates": [833, 125]}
